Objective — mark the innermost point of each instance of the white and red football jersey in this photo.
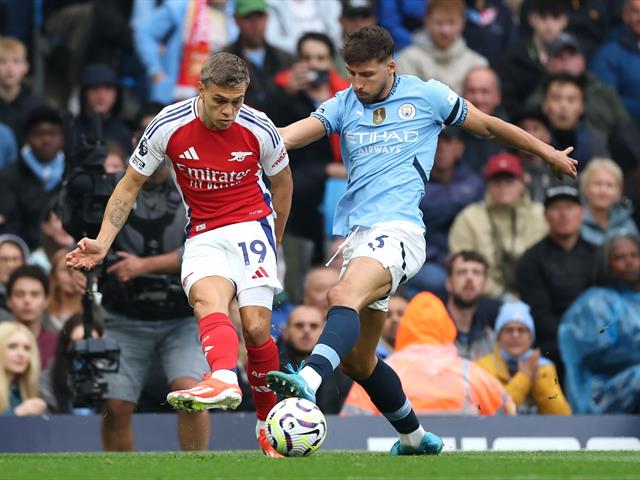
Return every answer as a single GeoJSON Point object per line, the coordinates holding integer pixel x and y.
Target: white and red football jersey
{"type": "Point", "coordinates": [218, 172]}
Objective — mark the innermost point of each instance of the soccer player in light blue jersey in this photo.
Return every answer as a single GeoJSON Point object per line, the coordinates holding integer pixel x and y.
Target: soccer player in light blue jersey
{"type": "Point", "coordinates": [389, 126]}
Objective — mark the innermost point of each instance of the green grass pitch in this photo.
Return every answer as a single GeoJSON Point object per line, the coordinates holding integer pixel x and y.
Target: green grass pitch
{"type": "Point", "coordinates": [322, 466]}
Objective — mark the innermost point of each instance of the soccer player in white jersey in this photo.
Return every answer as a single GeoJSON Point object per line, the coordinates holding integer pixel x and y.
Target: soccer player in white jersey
{"type": "Point", "coordinates": [389, 126]}
{"type": "Point", "coordinates": [217, 149]}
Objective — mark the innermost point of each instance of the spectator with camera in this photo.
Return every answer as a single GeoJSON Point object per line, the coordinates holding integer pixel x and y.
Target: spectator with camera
{"type": "Point", "coordinates": [149, 316]}
{"type": "Point", "coordinates": [19, 372]}
{"type": "Point", "coordinates": [13, 254]}
{"type": "Point", "coordinates": [309, 82]}
{"type": "Point", "coordinates": [27, 298]}
{"type": "Point", "coordinates": [27, 186]}
{"type": "Point", "coordinates": [56, 387]}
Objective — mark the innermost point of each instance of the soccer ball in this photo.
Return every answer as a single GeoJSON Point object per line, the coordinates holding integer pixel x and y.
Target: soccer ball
{"type": "Point", "coordinates": [296, 427]}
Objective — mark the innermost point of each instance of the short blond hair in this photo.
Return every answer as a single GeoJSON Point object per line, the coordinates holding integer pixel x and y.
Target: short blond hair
{"type": "Point", "coordinates": [601, 163]}
{"type": "Point", "coordinates": [11, 45]}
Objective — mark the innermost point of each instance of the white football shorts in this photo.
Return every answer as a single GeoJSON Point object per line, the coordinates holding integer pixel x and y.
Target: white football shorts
{"type": "Point", "coordinates": [244, 253]}
{"type": "Point", "coordinates": [399, 246]}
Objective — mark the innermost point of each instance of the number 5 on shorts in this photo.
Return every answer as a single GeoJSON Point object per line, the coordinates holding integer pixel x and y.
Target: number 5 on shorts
{"type": "Point", "coordinates": [257, 247]}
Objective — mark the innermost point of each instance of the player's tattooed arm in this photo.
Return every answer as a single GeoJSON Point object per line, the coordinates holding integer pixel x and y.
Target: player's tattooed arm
{"type": "Point", "coordinates": [119, 206]}
{"type": "Point", "coordinates": [119, 212]}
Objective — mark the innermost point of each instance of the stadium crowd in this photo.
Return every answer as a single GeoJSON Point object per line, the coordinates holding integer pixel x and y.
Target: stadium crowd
{"type": "Point", "coordinates": [531, 288]}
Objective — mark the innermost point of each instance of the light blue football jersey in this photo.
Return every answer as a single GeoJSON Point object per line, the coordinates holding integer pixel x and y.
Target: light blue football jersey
{"type": "Point", "coordinates": [388, 148]}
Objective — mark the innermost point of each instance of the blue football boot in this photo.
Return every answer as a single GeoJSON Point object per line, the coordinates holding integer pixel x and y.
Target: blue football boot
{"type": "Point", "coordinates": [290, 384]}
{"type": "Point", "coordinates": [431, 444]}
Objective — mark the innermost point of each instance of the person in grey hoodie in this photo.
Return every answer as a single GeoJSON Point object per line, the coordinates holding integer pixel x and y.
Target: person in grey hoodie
{"type": "Point", "coordinates": [607, 213]}
{"type": "Point", "coordinates": [439, 51]}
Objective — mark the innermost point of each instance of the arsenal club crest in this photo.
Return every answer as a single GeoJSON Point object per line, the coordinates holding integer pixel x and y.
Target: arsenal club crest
{"type": "Point", "coordinates": [379, 115]}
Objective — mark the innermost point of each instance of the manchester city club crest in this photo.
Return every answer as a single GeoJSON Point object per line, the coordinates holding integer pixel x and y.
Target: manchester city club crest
{"type": "Point", "coordinates": [379, 115]}
{"type": "Point", "coordinates": [407, 111]}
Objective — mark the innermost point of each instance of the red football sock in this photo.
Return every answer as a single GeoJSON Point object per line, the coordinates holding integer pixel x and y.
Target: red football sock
{"type": "Point", "coordinates": [219, 341]}
{"type": "Point", "coordinates": [262, 359]}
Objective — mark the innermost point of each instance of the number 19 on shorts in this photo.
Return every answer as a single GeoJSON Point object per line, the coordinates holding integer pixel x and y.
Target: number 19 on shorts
{"type": "Point", "coordinates": [256, 249]}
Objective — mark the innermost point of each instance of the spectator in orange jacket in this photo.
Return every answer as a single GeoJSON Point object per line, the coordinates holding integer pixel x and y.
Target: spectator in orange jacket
{"type": "Point", "coordinates": [433, 375]}
{"type": "Point", "coordinates": [531, 380]}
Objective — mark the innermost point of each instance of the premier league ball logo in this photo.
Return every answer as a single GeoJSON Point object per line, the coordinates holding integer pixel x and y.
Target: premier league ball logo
{"type": "Point", "coordinates": [143, 148]}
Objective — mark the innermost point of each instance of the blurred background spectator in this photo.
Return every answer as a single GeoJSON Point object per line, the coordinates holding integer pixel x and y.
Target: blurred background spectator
{"type": "Point", "coordinates": [53, 237]}
{"type": "Point", "coordinates": [435, 378]}
{"type": "Point", "coordinates": [263, 59]}
{"type": "Point", "coordinates": [452, 186]}
{"type": "Point", "coordinates": [66, 288]}
{"type": "Point", "coordinates": [16, 99]}
{"type": "Point", "coordinates": [553, 272]}
{"type": "Point", "coordinates": [28, 185]}
{"type": "Point", "coordinates": [440, 51]}
{"type": "Point", "coordinates": [397, 306]}
{"type": "Point", "coordinates": [311, 81]}
{"type": "Point", "coordinates": [27, 299]}
{"type": "Point", "coordinates": [522, 67]}
{"type": "Point", "coordinates": [13, 254]}
{"type": "Point", "coordinates": [303, 330]}
{"type": "Point", "coordinates": [599, 334]}
{"type": "Point", "coordinates": [528, 377]}
{"type": "Point", "coordinates": [482, 88]}
{"type": "Point", "coordinates": [472, 313]}
{"type": "Point", "coordinates": [617, 62]}
{"type": "Point", "coordinates": [290, 19]}
{"type": "Point", "coordinates": [563, 104]}
{"type": "Point", "coordinates": [19, 372]}
{"type": "Point", "coordinates": [100, 94]}
{"type": "Point", "coordinates": [501, 227]}
{"type": "Point", "coordinates": [603, 109]}
{"type": "Point", "coordinates": [606, 212]}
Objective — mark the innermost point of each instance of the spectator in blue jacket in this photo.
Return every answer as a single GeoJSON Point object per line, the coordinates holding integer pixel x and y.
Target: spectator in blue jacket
{"type": "Point", "coordinates": [402, 18]}
{"type": "Point", "coordinates": [600, 333]}
{"type": "Point", "coordinates": [617, 63]}
{"type": "Point", "coordinates": [489, 29]}
{"type": "Point", "coordinates": [452, 186]}
{"type": "Point", "coordinates": [8, 146]}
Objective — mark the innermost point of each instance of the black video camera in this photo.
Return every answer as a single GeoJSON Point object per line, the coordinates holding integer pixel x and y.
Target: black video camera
{"type": "Point", "coordinates": [90, 358]}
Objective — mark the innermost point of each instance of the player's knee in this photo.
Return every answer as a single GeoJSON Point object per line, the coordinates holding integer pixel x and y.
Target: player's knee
{"type": "Point", "coordinates": [202, 308]}
{"type": "Point", "coordinates": [357, 369]}
{"type": "Point", "coordinates": [255, 332]}
{"type": "Point", "coordinates": [339, 295]}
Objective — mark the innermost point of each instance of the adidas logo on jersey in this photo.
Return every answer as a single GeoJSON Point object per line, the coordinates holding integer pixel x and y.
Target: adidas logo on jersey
{"type": "Point", "coordinates": [260, 273]}
{"type": "Point", "coordinates": [239, 156]}
{"type": "Point", "coordinates": [189, 154]}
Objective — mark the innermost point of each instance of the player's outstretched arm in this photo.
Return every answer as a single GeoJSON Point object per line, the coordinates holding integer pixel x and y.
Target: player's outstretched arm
{"type": "Point", "coordinates": [302, 133]}
{"type": "Point", "coordinates": [492, 127]}
{"type": "Point", "coordinates": [90, 252]}
{"type": "Point", "coordinates": [281, 192]}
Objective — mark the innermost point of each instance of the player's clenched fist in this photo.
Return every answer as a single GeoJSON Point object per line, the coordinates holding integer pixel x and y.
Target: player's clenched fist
{"type": "Point", "coordinates": [87, 255]}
